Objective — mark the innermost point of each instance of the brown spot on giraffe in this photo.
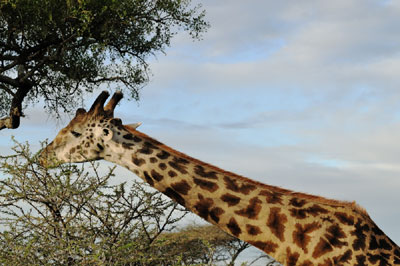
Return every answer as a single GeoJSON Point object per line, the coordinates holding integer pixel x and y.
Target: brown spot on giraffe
{"type": "Point", "coordinates": [291, 258]}
{"type": "Point", "coordinates": [373, 244]}
{"type": "Point", "coordinates": [199, 169]}
{"type": "Point", "coordinates": [344, 218]}
{"type": "Point", "coordinates": [381, 259]}
{"type": "Point", "coordinates": [266, 246]}
{"type": "Point", "coordinates": [181, 160]}
{"type": "Point", "coordinates": [253, 230]}
{"type": "Point", "coordinates": [301, 235]}
{"type": "Point", "coordinates": [314, 210]}
{"type": "Point", "coordinates": [163, 155]}
{"type": "Point", "coordinates": [334, 234]}
{"type": "Point", "coordinates": [234, 227]}
{"type": "Point", "coordinates": [162, 166]}
{"type": "Point", "coordinates": [276, 223]}
{"type": "Point", "coordinates": [343, 258]}
{"type": "Point", "coordinates": [127, 146]}
{"type": "Point", "coordinates": [156, 176]}
{"type": "Point", "coordinates": [322, 248]}
{"type": "Point", "coordinates": [340, 260]}
{"type": "Point", "coordinates": [361, 260]}
{"type": "Point", "coordinates": [381, 244]}
{"type": "Point", "coordinates": [179, 164]}
{"type": "Point", "coordinates": [332, 239]}
{"type": "Point", "coordinates": [181, 187]}
{"type": "Point", "coordinates": [397, 252]}
{"type": "Point", "coordinates": [205, 210]}
{"type": "Point", "coordinates": [296, 202]}
{"type": "Point", "coordinates": [175, 196]}
{"type": "Point", "coordinates": [138, 161]}
{"type": "Point", "coordinates": [136, 139]}
{"type": "Point", "coordinates": [172, 173]}
{"type": "Point", "coordinates": [397, 260]}
{"type": "Point", "coordinates": [272, 197]}
{"type": "Point", "coordinates": [153, 160]}
{"type": "Point", "coordinates": [327, 219]}
{"type": "Point", "coordinates": [235, 186]}
{"type": "Point", "coordinates": [148, 178]}
{"type": "Point", "coordinates": [205, 184]}
{"type": "Point", "coordinates": [377, 231]}
{"type": "Point", "coordinates": [215, 214]}
{"type": "Point", "coordinates": [128, 136]}
{"type": "Point", "coordinates": [252, 210]}
{"type": "Point", "coordinates": [203, 205]}
{"type": "Point", "coordinates": [359, 233]}
{"type": "Point", "coordinates": [306, 263]}
{"type": "Point", "coordinates": [232, 200]}
{"type": "Point", "coordinates": [147, 148]}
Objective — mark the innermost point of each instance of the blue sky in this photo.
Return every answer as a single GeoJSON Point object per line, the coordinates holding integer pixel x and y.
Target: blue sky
{"type": "Point", "coordinates": [306, 91]}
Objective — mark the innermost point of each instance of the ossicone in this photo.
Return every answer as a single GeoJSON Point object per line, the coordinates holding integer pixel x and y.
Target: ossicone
{"type": "Point", "coordinates": [98, 105]}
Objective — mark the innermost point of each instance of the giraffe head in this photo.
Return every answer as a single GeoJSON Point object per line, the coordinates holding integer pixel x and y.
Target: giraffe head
{"type": "Point", "coordinates": [87, 135]}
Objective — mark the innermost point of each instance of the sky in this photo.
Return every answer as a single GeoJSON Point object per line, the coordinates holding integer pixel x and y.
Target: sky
{"type": "Point", "coordinates": [301, 94]}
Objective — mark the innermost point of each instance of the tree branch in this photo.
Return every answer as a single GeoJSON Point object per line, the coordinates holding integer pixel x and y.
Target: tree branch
{"type": "Point", "coordinates": [9, 81]}
{"type": "Point", "coordinates": [107, 79]}
{"type": "Point", "coordinates": [9, 91]}
{"type": "Point", "coordinates": [13, 120]}
{"type": "Point", "coordinates": [8, 57]}
{"type": "Point", "coordinates": [9, 66]}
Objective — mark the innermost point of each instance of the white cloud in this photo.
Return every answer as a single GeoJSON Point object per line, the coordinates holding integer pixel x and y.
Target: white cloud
{"type": "Point", "coordinates": [314, 45]}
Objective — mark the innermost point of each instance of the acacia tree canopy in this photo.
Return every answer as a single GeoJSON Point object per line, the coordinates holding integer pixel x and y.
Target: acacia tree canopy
{"type": "Point", "coordinates": [58, 50]}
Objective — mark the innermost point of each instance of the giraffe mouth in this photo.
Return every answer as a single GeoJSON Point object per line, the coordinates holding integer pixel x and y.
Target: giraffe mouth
{"type": "Point", "coordinates": [48, 159]}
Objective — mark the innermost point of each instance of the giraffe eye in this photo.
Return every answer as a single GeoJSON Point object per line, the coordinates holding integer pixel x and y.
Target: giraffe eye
{"type": "Point", "coordinates": [76, 134]}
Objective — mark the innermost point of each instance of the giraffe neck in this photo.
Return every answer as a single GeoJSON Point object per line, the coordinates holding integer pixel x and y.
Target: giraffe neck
{"type": "Point", "coordinates": [294, 228]}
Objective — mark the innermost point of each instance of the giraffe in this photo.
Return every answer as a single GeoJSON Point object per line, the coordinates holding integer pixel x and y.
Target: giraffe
{"type": "Point", "coordinates": [294, 228]}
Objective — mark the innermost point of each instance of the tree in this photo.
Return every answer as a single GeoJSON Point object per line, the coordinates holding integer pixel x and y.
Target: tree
{"type": "Point", "coordinates": [58, 50]}
{"type": "Point", "coordinates": [204, 245]}
{"type": "Point", "coordinates": [69, 216]}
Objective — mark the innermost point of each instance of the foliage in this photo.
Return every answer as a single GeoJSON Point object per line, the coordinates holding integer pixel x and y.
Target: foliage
{"type": "Point", "coordinates": [204, 244]}
{"type": "Point", "coordinates": [59, 50]}
{"type": "Point", "coordinates": [70, 216]}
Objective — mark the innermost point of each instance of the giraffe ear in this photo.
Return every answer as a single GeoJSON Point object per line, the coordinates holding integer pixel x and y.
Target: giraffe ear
{"type": "Point", "coordinates": [135, 125]}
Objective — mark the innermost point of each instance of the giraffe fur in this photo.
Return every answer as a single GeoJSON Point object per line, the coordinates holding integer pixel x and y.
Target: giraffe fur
{"type": "Point", "coordinates": [295, 228]}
